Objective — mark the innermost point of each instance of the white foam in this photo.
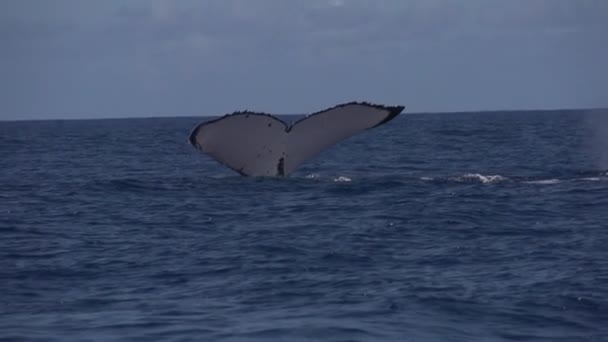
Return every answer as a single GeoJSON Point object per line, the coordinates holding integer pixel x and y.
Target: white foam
{"type": "Point", "coordinates": [544, 181]}
{"type": "Point", "coordinates": [482, 178]}
{"type": "Point", "coordinates": [312, 176]}
{"type": "Point", "coordinates": [591, 179]}
{"type": "Point", "coordinates": [342, 179]}
{"type": "Point", "coordinates": [426, 178]}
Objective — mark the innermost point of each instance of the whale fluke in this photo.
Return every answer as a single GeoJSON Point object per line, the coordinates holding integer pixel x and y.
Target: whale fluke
{"type": "Point", "coordinates": [260, 144]}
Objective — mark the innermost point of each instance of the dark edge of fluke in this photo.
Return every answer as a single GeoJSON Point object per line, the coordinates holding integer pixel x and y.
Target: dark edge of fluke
{"type": "Point", "coordinates": [194, 132]}
{"type": "Point", "coordinates": [393, 112]}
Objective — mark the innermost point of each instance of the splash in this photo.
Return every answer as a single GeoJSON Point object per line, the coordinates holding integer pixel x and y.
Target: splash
{"type": "Point", "coordinates": [474, 177]}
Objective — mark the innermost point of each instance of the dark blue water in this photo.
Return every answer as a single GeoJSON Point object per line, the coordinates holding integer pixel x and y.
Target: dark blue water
{"type": "Point", "coordinates": [444, 227]}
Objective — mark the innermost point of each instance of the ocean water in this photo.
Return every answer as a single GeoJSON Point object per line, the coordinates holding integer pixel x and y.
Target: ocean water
{"type": "Point", "coordinates": [439, 227]}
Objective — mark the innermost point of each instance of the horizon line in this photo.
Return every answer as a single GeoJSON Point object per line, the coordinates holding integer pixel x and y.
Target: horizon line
{"type": "Point", "coordinates": [296, 114]}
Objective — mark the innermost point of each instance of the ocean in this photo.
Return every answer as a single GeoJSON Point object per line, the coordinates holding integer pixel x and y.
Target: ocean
{"type": "Point", "coordinates": [488, 226]}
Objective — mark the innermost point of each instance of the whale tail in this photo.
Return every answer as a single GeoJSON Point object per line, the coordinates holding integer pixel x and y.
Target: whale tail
{"type": "Point", "coordinates": [260, 144]}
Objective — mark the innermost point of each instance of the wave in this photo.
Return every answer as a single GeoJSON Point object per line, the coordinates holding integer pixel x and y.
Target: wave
{"type": "Point", "coordinates": [208, 182]}
{"type": "Point", "coordinates": [468, 178]}
{"type": "Point", "coordinates": [588, 176]}
{"type": "Point", "coordinates": [477, 177]}
{"type": "Point", "coordinates": [544, 181]}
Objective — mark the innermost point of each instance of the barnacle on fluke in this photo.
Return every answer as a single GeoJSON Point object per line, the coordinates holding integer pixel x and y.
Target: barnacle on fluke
{"type": "Point", "coordinates": [256, 147]}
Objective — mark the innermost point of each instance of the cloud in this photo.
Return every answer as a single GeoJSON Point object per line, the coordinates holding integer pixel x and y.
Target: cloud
{"type": "Point", "coordinates": [239, 24]}
{"type": "Point", "coordinates": [189, 54]}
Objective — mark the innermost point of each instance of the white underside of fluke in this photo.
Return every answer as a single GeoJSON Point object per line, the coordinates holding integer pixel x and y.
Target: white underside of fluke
{"type": "Point", "coordinates": [259, 144]}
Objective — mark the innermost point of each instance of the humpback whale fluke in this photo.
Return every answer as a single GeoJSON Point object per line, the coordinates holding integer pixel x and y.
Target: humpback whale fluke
{"type": "Point", "coordinates": [260, 144]}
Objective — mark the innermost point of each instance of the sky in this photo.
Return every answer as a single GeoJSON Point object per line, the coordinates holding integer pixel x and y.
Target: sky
{"type": "Point", "coordinates": [138, 58]}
